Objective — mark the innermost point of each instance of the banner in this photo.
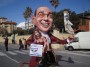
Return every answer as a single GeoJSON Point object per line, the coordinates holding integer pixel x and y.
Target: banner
{"type": "Point", "coordinates": [36, 50]}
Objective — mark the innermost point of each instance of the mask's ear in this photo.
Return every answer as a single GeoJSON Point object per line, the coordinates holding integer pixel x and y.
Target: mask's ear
{"type": "Point", "coordinates": [33, 20]}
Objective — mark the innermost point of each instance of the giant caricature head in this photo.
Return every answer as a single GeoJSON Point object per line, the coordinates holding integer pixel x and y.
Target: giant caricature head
{"type": "Point", "coordinates": [43, 19]}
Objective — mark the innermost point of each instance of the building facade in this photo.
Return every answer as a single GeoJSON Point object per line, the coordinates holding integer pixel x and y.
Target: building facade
{"type": "Point", "coordinates": [84, 22]}
{"type": "Point", "coordinates": [8, 26]}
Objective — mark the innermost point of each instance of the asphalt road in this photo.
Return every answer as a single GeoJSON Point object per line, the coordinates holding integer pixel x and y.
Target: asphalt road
{"type": "Point", "coordinates": [13, 57]}
{"type": "Point", "coordinates": [73, 58]}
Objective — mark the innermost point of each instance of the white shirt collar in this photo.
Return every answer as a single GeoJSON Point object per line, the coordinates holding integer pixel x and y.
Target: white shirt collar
{"type": "Point", "coordinates": [47, 36]}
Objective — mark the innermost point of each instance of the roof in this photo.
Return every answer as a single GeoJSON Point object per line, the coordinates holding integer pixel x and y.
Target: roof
{"type": "Point", "coordinates": [85, 18]}
{"type": "Point", "coordinates": [8, 22]}
{"type": "Point", "coordinates": [3, 18]}
{"type": "Point", "coordinates": [84, 15]}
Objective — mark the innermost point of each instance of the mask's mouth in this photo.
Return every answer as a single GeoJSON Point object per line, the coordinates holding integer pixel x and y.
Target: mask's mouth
{"type": "Point", "coordinates": [45, 25]}
{"type": "Point", "coordinates": [37, 36]}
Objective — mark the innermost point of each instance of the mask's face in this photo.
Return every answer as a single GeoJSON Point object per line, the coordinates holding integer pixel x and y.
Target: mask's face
{"type": "Point", "coordinates": [43, 19]}
{"type": "Point", "coordinates": [37, 34]}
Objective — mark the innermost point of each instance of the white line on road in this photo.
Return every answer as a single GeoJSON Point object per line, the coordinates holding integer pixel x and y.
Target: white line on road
{"type": "Point", "coordinates": [12, 59]}
{"type": "Point", "coordinates": [78, 61]}
{"type": "Point", "coordinates": [12, 53]}
{"type": "Point", "coordinates": [26, 51]}
{"type": "Point", "coordinates": [85, 52]}
{"type": "Point", "coordinates": [2, 54]}
{"type": "Point", "coordinates": [20, 52]}
{"type": "Point", "coordinates": [58, 52]}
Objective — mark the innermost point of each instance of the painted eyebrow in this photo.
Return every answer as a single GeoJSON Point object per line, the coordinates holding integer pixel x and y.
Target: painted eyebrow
{"type": "Point", "coordinates": [43, 12]}
{"type": "Point", "coordinates": [50, 12]}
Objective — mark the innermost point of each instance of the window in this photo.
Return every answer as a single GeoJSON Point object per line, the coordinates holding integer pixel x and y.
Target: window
{"type": "Point", "coordinates": [76, 39]}
{"type": "Point", "coordinates": [83, 22]}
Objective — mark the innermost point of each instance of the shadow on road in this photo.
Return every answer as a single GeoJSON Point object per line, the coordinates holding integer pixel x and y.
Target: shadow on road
{"type": "Point", "coordinates": [59, 58]}
{"type": "Point", "coordinates": [81, 50]}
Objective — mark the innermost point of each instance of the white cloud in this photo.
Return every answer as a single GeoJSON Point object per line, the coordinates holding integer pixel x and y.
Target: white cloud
{"type": "Point", "coordinates": [21, 25]}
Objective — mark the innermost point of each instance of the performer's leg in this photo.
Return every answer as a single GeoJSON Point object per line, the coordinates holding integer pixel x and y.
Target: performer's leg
{"type": "Point", "coordinates": [52, 59]}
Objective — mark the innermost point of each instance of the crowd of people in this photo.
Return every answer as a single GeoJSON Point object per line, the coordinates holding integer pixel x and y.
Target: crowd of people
{"type": "Point", "coordinates": [21, 44]}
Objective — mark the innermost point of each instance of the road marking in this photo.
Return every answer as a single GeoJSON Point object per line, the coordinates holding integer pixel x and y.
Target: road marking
{"type": "Point", "coordinates": [26, 51]}
{"type": "Point", "coordinates": [85, 52]}
{"type": "Point", "coordinates": [2, 54]}
{"type": "Point", "coordinates": [20, 52]}
{"type": "Point", "coordinates": [58, 52]}
{"type": "Point", "coordinates": [80, 62]}
{"type": "Point", "coordinates": [12, 59]}
{"type": "Point", "coordinates": [12, 53]}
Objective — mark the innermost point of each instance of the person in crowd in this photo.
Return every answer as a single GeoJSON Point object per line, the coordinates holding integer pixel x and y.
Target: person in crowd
{"type": "Point", "coordinates": [21, 44]}
{"type": "Point", "coordinates": [43, 20]}
{"type": "Point", "coordinates": [13, 38]}
{"type": "Point", "coordinates": [25, 45]}
{"type": "Point", "coordinates": [6, 43]}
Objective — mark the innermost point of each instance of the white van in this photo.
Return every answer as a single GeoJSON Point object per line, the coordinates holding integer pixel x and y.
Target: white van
{"type": "Point", "coordinates": [81, 41]}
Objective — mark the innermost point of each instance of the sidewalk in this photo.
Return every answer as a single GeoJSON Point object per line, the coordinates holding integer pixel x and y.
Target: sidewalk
{"type": "Point", "coordinates": [10, 45]}
{"type": "Point", "coordinates": [13, 46]}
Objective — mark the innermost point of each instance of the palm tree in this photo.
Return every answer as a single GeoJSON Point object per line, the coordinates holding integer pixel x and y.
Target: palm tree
{"type": "Point", "coordinates": [27, 14]}
{"type": "Point", "coordinates": [54, 3]}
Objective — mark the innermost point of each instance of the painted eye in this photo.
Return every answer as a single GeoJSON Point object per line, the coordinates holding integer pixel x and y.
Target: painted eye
{"type": "Point", "coordinates": [34, 49]}
{"type": "Point", "coordinates": [41, 15]}
{"type": "Point", "coordinates": [50, 16]}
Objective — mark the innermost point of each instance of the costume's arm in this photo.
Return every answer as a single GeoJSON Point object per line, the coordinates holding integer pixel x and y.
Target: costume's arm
{"type": "Point", "coordinates": [57, 40]}
{"type": "Point", "coordinates": [64, 41]}
{"type": "Point", "coordinates": [29, 40]}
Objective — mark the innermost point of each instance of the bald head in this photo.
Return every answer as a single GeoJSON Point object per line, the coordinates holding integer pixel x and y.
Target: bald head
{"type": "Point", "coordinates": [41, 9]}
{"type": "Point", "coordinates": [42, 19]}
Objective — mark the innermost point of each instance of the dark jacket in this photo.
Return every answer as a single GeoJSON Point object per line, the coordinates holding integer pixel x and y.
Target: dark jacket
{"type": "Point", "coordinates": [6, 41]}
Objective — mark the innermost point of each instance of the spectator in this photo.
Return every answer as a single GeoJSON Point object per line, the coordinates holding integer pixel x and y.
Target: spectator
{"type": "Point", "coordinates": [25, 45]}
{"type": "Point", "coordinates": [21, 44]}
{"type": "Point", "coordinates": [6, 43]}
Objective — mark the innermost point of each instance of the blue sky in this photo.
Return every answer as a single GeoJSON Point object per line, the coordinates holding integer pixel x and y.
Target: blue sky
{"type": "Point", "coordinates": [13, 9]}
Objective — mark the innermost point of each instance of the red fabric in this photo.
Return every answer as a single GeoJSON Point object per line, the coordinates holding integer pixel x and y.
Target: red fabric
{"type": "Point", "coordinates": [57, 40]}
{"type": "Point", "coordinates": [29, 40]}
{"type": "Point", "coordinates": [41, 43]}
{"type": "Point", "coordinates": [53, 40]}
{"type": "Point", "coordinates": [33, 62]}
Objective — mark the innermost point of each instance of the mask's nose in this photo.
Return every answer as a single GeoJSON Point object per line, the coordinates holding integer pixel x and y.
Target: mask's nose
{"type": "Point", "coordinates": [46, 17]}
